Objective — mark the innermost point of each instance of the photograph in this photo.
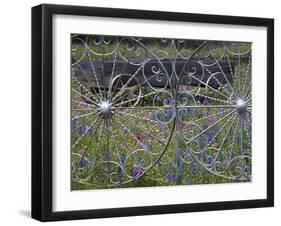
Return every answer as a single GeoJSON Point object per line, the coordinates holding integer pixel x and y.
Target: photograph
{"type": "Point", "coordinates": [149, 112]}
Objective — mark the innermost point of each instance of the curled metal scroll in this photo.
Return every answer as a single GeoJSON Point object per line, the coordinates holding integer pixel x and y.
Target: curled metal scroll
{"type": "Point", "coordinates": [149, 112]}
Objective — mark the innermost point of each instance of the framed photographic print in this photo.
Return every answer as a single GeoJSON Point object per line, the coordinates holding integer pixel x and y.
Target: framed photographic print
{"type": "Point", "coordinates": [147, 112]}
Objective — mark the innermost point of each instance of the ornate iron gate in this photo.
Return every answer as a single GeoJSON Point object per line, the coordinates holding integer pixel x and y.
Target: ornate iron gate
{"type": "Point", "coordinates": [149, 112]}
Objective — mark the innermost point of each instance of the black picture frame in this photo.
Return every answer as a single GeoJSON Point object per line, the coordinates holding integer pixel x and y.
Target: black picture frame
{"type": "Point", "coordinates": [42, 119]}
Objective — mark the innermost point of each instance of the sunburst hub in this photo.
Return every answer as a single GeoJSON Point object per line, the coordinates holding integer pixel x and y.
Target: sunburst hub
{"type": "Point", "coordinates": [105, 108]}
{"type": "Point", "coordinates": [241, 106]}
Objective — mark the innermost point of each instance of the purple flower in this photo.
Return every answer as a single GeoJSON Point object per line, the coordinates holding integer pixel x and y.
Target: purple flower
{"type": "Point", "coordinates": [125, 131]}
{"type": "Point", "coordinates": [84, 162]}
{"type": "Point", "coordinates": [81, 130]}
{"type": "Point", "coordinates": [126, 110]}
{"type": "Point", "coordinates": [232, 155]}
{"type": "Point", "coordinates": [180, 153]}
{"type": "Point", "coordinates": [186, 153]}
{"type": "Point", "coordinates": [226, 163]}
{"type": "Point", "coordinates": [188, 128]}
{"type": "Point", "coordinates": [188, 87]}
{"type": "Point", "coordinates": [205, 101]}
{"type": "Point", "coordinates": [161, 128]}
{"type": "Point", "coordinates": [205, 126]}
{"type": "Point", "coordinates": [170, 178]}
{"type": "Point", "coordinates": [180, 179]}
{"type": "Point", "coordinates": [138, 171]}
{"type": "Point", "coordinates": [88, 129]}
{"type": "Point", "coordinates": [212, 120]}
{"type": "Point", "coordinates": [139, 137]}
{"type": "Point", "coordinates": [168, 100]}
{"type": "Point", "coordinates": [87, 96]}
{"type": "Point", "coordinates": [159, 163]}
{"type": "Point", "coordinates": [139, 159]}
{"type": "Point", "coordinates": [84, 105]}
{"type": "Point", "coordinates": [245, 153]}
{"type": "Point", "coordinates": [122, 145]}
{"type": "Point", "coordinates": [216, 145]}
{"type": "Point", "coordinates": [82, 151]}
{"type": "Point", "coordinates": [73, 124]}
{"type": "Point", "coordinates": [165, 169]}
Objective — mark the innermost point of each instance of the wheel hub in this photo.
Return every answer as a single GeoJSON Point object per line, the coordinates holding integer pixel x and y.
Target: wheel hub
{"type": "Point", "coordinates": [105, 108]}
{"type": "Point", "coordinates": [241, 106]}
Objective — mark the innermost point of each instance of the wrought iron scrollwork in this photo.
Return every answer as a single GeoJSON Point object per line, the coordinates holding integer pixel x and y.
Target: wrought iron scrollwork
{"type": "Point", "coordinates": [164, 110]}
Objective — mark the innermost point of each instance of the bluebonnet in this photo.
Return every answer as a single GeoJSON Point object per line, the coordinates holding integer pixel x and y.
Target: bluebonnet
{"type": "Point", "coordinates": [237, 179]}
{"type": "Point", "coordinates": [179, 152]}
{"type": "Point", "coordinates": [73, 124]}
{"type": "Point", "coordinates": [202, 142]}
{"type": "Point", "coordinates": [88, 129]}
{"type": "Point", "coordinates": [168, 114]}
{"type": "Point", "coordinates": [84, 129]}
{"type": "Point", "coordinates": [232, 155]}
{"type": "Point", "coordinates": [245, 153]}
{"type": "Point", "coordinates": [85, 161]}
{"type": "Point", "coordinates": [191, 111]}
{"type": "Point", "coordinates": [159, 163]}
{"type": "Point", "coordinates": [210, 137]}
{"type": "Point", "coordinates": [139, 159]}
{"type": "Point", "coordinates": [137, 171]}
{"type": "Point", "coordinates": [179, 179]}
{"type": "Point", "coordinates": [210, 160]}
{"type": "Point", "coordinates": [169, 100]}
{"type": "Point", "coordinates": [80, 131]}
{"type": "Point", "coordinates": [165, 170]}
{"type": "Point", "coordinates": [170, 178]}
{"type": "Point", "coordinates": [193, 168]}
{"type": "Point", "coordinates": [205, 101]}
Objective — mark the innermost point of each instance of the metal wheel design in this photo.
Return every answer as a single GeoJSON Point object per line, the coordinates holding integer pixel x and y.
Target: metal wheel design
{"type": "Point", "coordinates": [162, 110]}
{"type": "Point", "coordinates": [217, 130]}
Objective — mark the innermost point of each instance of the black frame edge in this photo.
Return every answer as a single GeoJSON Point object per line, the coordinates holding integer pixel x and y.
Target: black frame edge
{"type": "Point", "coordinates": [270, 112]}
{"type": "Point", "coordinates": [42, 112]}
{"type": "Point", "coordinates": [36, 68]}
{"type": "Point", "coordinates": [152, 210]}
{"type": "Point", "coordinates": [156, 15]}
{"type": "Point", "coordinates": [41, 204]}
